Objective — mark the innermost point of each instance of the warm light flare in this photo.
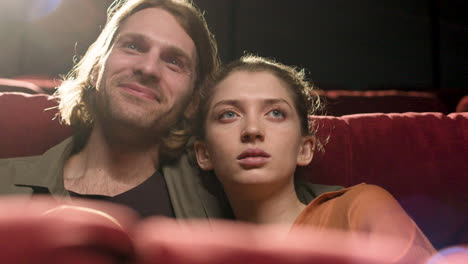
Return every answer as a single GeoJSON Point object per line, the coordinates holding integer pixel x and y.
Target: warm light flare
{"type": "Point", "coordinates": [41, 8]}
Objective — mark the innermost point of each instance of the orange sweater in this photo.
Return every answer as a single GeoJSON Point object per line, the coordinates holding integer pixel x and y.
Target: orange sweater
{"type": "Point", "coordinates": [366, 209]}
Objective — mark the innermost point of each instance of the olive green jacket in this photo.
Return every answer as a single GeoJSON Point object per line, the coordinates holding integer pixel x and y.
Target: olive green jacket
{"type": "Point", "coordinates": [193, 195]}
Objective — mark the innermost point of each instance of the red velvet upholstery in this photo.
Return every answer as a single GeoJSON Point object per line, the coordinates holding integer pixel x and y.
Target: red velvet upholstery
{"type": "Point", "coordinates": [419, 157]}
{"type": "Point", "coordinates": [44, 231]}
{"type": "Point", "coordinates": [342, 102]}
{"type": "Point", "coordinates": [46, 83]}
{"type": "Point", "coordinates": [27, 128]}
{"type": "Point", "coordinates": [11, 85]}
{"type": "Point", "coordinates": [462, 105]}
{"type": "Point", "coordinates": [164, 241]}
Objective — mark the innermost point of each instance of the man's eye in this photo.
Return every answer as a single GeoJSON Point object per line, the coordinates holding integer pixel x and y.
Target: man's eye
{"type": "Point", "coordinates": [276, 113]}
{"type": "Point", "coordinates": [175, 61]}
{"type": "Point", "coordinates": [132, 46]}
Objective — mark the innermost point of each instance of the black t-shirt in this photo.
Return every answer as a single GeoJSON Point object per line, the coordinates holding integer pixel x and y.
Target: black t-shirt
{"type": "Point", "coordinates": [149, 198]}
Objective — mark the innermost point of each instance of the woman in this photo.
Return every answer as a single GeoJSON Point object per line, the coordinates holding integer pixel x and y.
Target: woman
{"type": "Point", "coordinates": [253, 131]}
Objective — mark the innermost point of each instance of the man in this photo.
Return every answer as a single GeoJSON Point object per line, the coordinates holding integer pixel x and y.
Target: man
{"type": "Point", "coordinates": [125, 101]}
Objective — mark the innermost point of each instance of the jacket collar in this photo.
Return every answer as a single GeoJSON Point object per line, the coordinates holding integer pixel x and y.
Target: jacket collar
{"type": "Point", "coordinates": [47, 170]}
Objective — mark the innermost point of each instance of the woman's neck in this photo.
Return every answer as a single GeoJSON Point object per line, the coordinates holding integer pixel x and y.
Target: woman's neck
{"type": "Point", "coordinates": [267, 206]}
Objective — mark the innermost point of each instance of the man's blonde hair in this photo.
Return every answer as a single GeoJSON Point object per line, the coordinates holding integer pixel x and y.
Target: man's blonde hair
{"type": "Point", "coordinates": [76, 95]}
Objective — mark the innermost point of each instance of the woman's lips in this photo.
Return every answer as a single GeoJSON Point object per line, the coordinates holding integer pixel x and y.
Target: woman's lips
{"type": "Point", "coordinates": [253, 162]}
{"type": "Point", "coordinates": [253, 158]}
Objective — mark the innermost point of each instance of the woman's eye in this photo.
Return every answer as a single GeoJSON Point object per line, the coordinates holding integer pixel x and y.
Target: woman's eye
{"type": "Point", "coordinates": [276, 113]}
{"type": "Point", "coordinates": [227, 115]}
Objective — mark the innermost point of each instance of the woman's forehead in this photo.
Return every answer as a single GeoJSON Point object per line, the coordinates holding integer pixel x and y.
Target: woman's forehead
{"type": "Point", "coordinates": [252, 83]}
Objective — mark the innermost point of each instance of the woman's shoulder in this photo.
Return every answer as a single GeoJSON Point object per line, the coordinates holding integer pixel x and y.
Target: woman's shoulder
{"type": "Point", "coordinates": [367, 190]}
{"type": "Point", "coordinates": [368, 194]}
{"type": "Point", "coordinates": [362, 197]}
{"type": "Point", "coordinates": [354, 192]}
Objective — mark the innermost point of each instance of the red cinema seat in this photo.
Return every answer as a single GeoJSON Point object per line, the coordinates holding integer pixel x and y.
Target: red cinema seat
{"type": "Point", "coordinates": [11, 85]}
{"type": "Point", "coordinates": [344, 102]}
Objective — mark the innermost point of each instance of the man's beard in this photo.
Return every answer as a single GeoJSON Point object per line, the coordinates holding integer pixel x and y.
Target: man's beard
{"type": "Point", "coordinates": [124, 117]}
{"type": "Point", "coordinates": [129, 117]}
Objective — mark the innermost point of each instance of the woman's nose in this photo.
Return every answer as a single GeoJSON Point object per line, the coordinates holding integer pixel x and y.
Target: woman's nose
{"type": "Point", "coordinates": [252, 131]}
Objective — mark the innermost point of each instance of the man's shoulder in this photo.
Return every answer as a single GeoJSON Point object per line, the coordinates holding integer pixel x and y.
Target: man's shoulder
{"type": "Point", "coordinates": [11, 169]}
{"type": "Point", "coordinates": [19, 162]}
{"type": "Point", "coordinates": [19, 171]}
{"type": "Point", "coordinates": [12, 164]}
{"type": "Point", "coordinates": [15, 160]}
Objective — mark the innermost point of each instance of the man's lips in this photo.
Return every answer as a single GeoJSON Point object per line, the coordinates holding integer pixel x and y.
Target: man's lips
{"type": "Point", "coordinates": [140, 91]}
{"type": "Point", "coordinates": [253, 158]}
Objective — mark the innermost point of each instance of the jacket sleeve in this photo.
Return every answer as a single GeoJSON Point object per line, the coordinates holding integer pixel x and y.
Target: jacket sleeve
{"type": "Point", "coordinates": [195, 194]}
{"type": "Point", "coordinates": [376, 212]}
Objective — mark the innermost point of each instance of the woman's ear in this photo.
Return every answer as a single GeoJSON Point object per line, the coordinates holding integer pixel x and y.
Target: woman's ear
{"type": "Point", "coordinates": [203, 157]}
{"type": "Point", "coordinates": [306, 151]}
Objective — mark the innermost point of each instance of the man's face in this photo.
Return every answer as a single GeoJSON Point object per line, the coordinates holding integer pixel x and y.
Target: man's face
{"type": "Point", "coordinates": [149, 73]}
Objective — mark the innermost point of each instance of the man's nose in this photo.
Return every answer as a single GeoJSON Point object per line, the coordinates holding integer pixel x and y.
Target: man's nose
{"type": "Point", "coordinates": [149, 66]}
{"type": "Point", "coordinates": [253, 130]}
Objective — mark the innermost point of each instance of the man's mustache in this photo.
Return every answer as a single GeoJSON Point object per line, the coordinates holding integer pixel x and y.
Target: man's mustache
{"type": "Point", "coordinates": [148, 82]}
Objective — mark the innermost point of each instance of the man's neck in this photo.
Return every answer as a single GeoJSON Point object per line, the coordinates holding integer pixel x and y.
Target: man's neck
{"type": "Point", "coordinates": [277, 206]}
{"type": "Point", "coordinates": [109, 167]}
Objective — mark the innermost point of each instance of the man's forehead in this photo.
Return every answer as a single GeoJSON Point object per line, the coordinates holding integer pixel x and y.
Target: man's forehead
{"type": "Point", "coordinates": [160, 23]}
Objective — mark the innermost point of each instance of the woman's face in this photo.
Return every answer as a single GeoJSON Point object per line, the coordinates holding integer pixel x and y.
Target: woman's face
{"type": "Point", "coordinates": [253, 132]}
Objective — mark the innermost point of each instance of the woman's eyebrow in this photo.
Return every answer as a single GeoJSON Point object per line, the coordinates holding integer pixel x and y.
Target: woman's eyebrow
{"type": "Point", "coordinates": [238, 103]}
{"type": "Point", "coordinates": [275, 101]}
{"type": "Point", "coordinates": [232, 102]}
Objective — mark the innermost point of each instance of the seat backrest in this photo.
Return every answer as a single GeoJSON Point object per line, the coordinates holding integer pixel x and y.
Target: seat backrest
{"type": "Point", "coordinates": [46, 83]}
{"type": "Point", "coordinates": [421, 158]}
{"type": "Point", "coordinates": [343, 102]}
{"type": "Point", "coordinates": [27, 124]}
{"type": "Point", "coordinates": [11, 85]}
{"type": "Point", "coordinates": [462, 105]}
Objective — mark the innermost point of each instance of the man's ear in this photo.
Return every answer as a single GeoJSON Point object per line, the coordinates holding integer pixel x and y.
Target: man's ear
{"type": "Point", "coordinates": [95, 74]}
{"type": "Point", "coordinates": [192, 107]}
{"type": "Point", "coordinates": [306, 151]}
{"type": "Point", "coordinates": [203, 157]}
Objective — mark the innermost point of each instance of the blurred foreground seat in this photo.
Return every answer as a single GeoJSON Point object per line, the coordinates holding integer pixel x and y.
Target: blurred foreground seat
{"type": "Point", "coordinates": [462, 105]}
{"type": "Point", "coordinates": [44, 230]}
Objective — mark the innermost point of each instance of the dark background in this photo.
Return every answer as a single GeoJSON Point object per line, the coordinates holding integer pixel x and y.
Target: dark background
{"type": "Point", "coordinates": [353, 45]}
